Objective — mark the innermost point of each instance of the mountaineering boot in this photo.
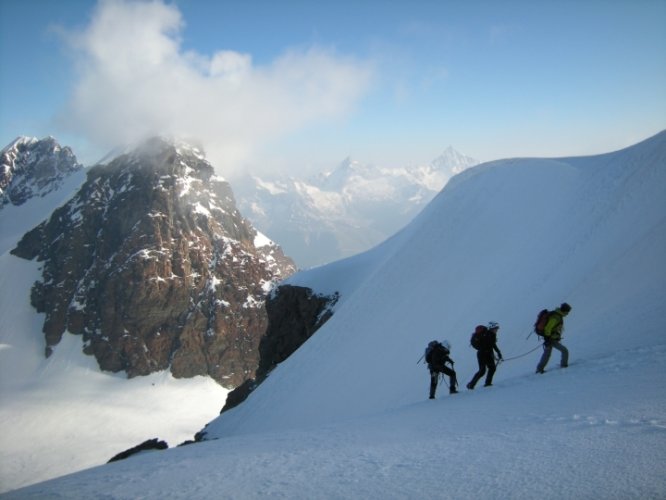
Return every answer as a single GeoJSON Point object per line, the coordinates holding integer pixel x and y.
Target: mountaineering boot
{"type": "Point", "coordinates": [470, 386]}
{"type": "Point", "coordinates": [453, 384]}
{"type": "Point", "coordinates": [487, 385]}
{"type": "Point", "coordinates": [540, 370]}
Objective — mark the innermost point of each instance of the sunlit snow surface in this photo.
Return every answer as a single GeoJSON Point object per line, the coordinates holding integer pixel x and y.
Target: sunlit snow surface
{"type": "Point", "coordinates": [596, 430]}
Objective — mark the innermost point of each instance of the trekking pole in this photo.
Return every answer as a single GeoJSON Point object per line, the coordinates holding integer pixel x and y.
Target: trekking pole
{"type": "Point", "coordinates": [420, 359]}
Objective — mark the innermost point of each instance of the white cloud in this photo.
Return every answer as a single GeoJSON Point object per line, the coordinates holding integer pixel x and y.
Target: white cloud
{"type": "Point", "coordinates": [135, 80]}
{"type": "Point", "coordinates": [231, 65]}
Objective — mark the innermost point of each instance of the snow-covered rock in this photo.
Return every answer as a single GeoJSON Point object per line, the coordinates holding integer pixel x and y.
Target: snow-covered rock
{"type": "Point", "coordinates": [30, 168]}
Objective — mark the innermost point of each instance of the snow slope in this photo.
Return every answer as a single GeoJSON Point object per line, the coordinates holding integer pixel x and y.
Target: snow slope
{"type": "Point", "coordinates": [61, 414]}
{"type": "Point", "coordinates": [346, 416]}
{"type": "Point", "coordinates": [500, 242]}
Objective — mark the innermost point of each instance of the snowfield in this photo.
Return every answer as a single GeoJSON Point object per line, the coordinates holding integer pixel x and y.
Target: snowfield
{"type": "Point", "coordinates": [347, 415]}
{"type": "Point", "coordinates": [61, 414]}
{"type": "Point", "coordinates": [595, 430]}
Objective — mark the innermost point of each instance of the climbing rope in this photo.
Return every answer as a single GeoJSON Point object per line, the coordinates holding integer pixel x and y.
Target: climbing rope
{"type": "Point", "coordinates": [521, 355]}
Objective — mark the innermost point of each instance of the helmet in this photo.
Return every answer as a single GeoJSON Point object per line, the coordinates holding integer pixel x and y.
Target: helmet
{"type": "Point", "coordinates": [492, 325]}
{"type": "Point", "coordinates": [446, 345]}
{"type": "Point", "coordinates": [565, 307]}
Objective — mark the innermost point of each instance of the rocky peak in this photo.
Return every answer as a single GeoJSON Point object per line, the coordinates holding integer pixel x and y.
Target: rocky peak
{"type": "Point", "coordinates": [31, 167]}
{"type": "Point", "coordinates": [343, 174]}
{"type": "Point", "coordinates": [453, 162]}
{"type": "Point", "coordinates": [152, 263]}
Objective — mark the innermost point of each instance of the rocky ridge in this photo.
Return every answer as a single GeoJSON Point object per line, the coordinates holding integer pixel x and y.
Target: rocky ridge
{"type": "Point", "coordinates": [31, 167]}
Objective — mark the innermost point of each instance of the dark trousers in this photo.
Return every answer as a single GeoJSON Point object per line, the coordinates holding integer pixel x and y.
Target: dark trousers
{"type": "Point", "coordinates": [486, 360]}
{"type": "Point", "coordinates": [434, 376]}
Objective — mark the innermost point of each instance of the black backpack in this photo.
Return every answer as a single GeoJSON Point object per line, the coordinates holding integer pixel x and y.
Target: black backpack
{"type": "Point", "coordinates": [436, 354]}
{"type": "Point", "coordinates": [477, 338]}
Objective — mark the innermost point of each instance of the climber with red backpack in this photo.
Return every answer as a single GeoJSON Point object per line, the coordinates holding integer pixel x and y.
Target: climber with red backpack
{"type": "Point", "coordinates": [484, 340]}
{"type": "Point", "coordinates": [550, 325]}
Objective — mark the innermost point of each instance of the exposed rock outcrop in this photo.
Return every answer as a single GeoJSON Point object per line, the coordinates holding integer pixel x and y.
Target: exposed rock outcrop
{"type": "Point", "coordinates": [154, 266]}
{"type": "Point", "coordinates": [294, 314]}
{"type": "Point", "coordinates": [148, 445]}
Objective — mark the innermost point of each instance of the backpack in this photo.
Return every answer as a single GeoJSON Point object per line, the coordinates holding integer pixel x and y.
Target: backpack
{"type": "Point", "coordinates": [540, 324]}
{"type": "Point", "coordinates": [476, 340]}
{"type": "Point", "coordinates": [436, 354]}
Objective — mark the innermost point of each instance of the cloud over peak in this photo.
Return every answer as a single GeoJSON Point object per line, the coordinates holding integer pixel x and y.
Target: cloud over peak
{"type": "Point", "coordinates": [135, 80]}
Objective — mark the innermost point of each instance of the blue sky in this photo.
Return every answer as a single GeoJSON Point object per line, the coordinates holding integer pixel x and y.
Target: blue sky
{"type": "Point", "coordinates": [300, 85]}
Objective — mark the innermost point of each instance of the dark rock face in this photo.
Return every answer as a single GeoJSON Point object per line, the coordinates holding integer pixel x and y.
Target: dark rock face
{"type": "Point", "coordinates": [294, 314]}
{"type": "Point", "coordinates": [31, 167]}
{"type": "Point", "coordinates": [150, 444]}
{"type": "Point", "coordinates": [153, 264]}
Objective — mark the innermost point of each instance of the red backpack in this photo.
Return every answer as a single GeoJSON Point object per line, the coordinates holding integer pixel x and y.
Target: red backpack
{"type": "Point", "coordinates": [477, 337]}
{"type": "Point", "coordinates": [540, 324]}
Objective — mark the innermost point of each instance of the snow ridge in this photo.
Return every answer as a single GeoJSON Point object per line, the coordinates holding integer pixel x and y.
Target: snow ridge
{"type": "Point", "coordinates": [500, 242]}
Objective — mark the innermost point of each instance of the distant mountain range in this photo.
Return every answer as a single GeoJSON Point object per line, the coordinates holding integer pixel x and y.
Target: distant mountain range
{"type": "Point", "coordinates": [345, 211]}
